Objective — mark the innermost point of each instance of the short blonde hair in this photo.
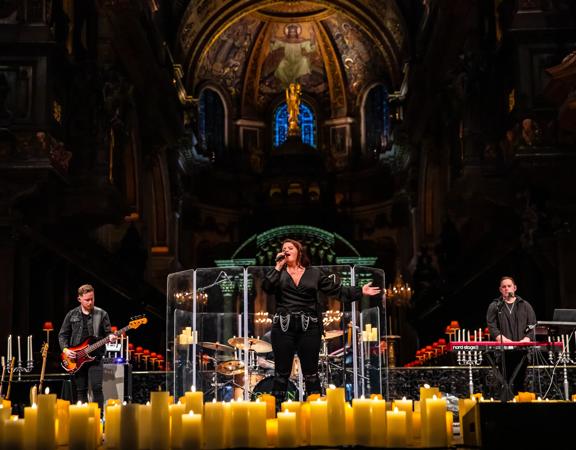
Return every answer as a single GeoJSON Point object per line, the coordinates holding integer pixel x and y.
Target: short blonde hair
{"type": "Point", "coordinates": [84, 289]}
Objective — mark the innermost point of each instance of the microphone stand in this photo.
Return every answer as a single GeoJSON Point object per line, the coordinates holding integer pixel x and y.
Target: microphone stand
{"type": "Point", "coordinates": [506, 384]}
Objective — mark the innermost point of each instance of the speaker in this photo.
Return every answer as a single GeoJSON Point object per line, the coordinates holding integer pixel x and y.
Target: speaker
{"type": "Point", "coordinates": [117, 382]}
{"type": "Point", "coordinates": [533, 425]}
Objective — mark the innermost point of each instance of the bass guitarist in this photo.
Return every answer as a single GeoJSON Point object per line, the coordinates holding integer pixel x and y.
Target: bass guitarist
{"type": "Point", "coordinates": [81, 323]}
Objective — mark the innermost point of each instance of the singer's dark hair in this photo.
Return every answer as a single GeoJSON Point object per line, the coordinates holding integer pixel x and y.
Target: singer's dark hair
{"type": "Point", "coordinates": [506, 277]}
{"type": "Point", "coordinates": [303, 258]}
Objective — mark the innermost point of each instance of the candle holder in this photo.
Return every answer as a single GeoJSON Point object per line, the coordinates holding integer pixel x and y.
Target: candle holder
{"type": "Point", "coordinates": [23, 368]}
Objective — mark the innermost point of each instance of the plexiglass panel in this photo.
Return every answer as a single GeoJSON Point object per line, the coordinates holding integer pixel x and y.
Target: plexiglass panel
{"type": "Point", "coordinates": [218, 328]}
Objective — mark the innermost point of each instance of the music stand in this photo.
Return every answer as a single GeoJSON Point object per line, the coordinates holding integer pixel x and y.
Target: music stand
{"type": "Point", "coordinates": [563, 319]}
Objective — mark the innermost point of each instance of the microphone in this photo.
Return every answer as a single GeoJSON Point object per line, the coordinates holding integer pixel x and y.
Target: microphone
{"type": "Point", "coordinates": [280, 257]}
{"type": "Point", "coordinates": [530, 328]}
{"type": "Point", "coordinates": [510, 294]}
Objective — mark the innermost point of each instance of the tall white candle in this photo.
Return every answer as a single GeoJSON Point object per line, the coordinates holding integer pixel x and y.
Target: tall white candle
{"type": "Point", "coordinates": [19, 352]}
{"type": "Point", "coordinates": [9, 351]}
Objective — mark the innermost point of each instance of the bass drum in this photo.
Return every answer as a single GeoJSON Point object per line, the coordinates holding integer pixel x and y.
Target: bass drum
{"type": "Point", "coordinates": [266, 386]}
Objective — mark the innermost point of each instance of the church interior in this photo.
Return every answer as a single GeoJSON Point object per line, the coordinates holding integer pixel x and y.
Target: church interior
{"type": "Point", "coordinates": [142, 138]}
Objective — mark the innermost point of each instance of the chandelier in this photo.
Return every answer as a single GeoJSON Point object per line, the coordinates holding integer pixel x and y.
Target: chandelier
{"type": "Point", "coordinates": [399, 292]}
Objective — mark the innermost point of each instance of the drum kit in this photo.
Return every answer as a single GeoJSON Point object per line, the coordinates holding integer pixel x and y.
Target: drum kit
{"type": "Point", "coordinates": [226, 370]}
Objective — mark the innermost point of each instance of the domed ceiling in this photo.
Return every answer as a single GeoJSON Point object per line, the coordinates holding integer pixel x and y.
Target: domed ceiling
{"type": "Point", "coordinates": [254, 49]}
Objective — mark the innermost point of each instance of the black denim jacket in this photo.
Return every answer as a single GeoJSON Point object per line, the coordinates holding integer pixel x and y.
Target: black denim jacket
{"type": "Point", "coordinates": [71, 330]}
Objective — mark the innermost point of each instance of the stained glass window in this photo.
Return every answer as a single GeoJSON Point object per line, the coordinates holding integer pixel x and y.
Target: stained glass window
{"type": "Point", "coordinates": [377, 119]}
{"type": "Point", "coordinates": [305, 119]}
{"type": "Point", "coordinates": [211, 122]}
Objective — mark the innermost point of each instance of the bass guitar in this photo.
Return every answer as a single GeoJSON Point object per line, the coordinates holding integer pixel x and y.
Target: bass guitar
{"type": "Point", "coordinates": [82, 351]}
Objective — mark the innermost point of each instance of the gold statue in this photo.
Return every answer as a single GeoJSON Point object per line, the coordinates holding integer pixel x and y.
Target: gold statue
{"type": "Point", "coordinates": [293, 93]}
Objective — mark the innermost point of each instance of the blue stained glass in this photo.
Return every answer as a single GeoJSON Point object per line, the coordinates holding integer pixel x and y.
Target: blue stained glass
{"type": "Point", "coordinates": [306, 120]}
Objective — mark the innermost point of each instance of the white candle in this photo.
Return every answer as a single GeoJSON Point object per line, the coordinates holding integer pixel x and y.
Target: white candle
{"type": "Point", "coordinates": [19, 352]}
{"type": "Point", "coordinates": [9, 352]}
{"type": "Point", "coordinates": [30, 353]}
{"type": "Point", "coordinates": [3, 363]}
{"type": "Point", "coordinates": [480, 334]}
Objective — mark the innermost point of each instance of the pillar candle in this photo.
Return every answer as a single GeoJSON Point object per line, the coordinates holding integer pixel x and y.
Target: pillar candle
{"type": "Point", "coordinates": [160, 419]}
{"type": "Point", "coordinates": [362, 421]}
{"type": "Point", "coordinates": [465, 405]}
{"type": "Point", "coordinates": [194, 401]}
{"type": "Point", "coordinates": [46, 420]}
{"type": "Point", "coordinates": [449, 427]}
{"type": "Point", "coordinates": [227, 423]}
{"type": "Point", "coordinates": [270, 401]}
{"type": "Point", "coordinates": [213, 425]}
{"type": "Point", "coordinates": [287, 430]}
{"type": "Point", "coordinates": [335, 398]}
{"type": "Point", "coordinates": [94, 413]}
{"type": "Point", "coordinates": [257, 419]}
{"type": "Point", "coordinates": [434, 432]}
{"type": "Point", "coordinates": [296, 407]}
{"type": "Point", "coordinates": [397, 434]}
{"type": "Point", "coordinates": [144, 426]}
{"type": "Point", "coordinates": [239, 424]}
{"type": "Point", "coordinates": [62, 422]}
{"type": "Point", "coordinates": [416, 425]}
{"type": "Point", "coordinates": [90, 442]}
{"type": "Point", "coordinates": [129, 415]}
{"type": "Point", "coordinates": [112, 432]}
{"type": "Point", "coordinates": [31, 427]}
{"type": "Point", "coordinates": [78, 427]}
{"type": "Point", "coordinates": [305, 423]}
{"type": "Point", "coordinates": [406, 406]}
{"type": "Point", "coordinates": [426, 392]}
{"type": "Point", "coordinates": [13, 434]}
{"type": "Point", "coordinates": [378, 426]}
{"type": "Point", "coordinates": [319, 423]}
{"type": "Point", "coordinates": [272, 432]}
{"type": "Point", "coordinates": [176, 411]}
{"type": "Point", "coordinates": [350, 433]}
{"type": "Point", "coordinates": [192, 431]}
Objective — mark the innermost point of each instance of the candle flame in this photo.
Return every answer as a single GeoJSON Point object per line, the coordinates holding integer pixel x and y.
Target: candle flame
{"type": "Point", "coordinates": [403, 399]}
{"type": "Point", "coordinates": [213, 400]}
{"type": "Point", "coordinates": [332, 386]}
{"type": "Point", "coordinates": [362, 397]}
{"type": "Point", "coordinates": [47, 391]}
{"type": "Point", "coordinates": [78, 403]}
{"type": "Point", "coordinates": [124, 403]}
{"type": "Point", "coordinates": [434, 397]}
{"type": "Point", "coordinates": [193, 388]}
{"type": "Point", "coordinates": [191, 413]}
{"type": "Point", "coordinates": [395, 409]}
{"type": "Point", "coordinates": [34, 405]}
{"type": "Point", "coordinates": [426, 386]}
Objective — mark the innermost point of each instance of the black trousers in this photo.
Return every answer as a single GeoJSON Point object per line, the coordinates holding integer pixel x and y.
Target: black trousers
{"type": "Point", "coordinates": [306, 344]}
{"type": "Point", "coordinates": [513, 367]}
{"type": "Point", "coordinates": [90, 375]}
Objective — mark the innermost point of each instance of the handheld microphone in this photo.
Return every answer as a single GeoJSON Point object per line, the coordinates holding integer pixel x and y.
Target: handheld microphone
{"type": "Point", "coordinates": [510, 294]}
{"type": "Point", "coordinates": [280, 257]}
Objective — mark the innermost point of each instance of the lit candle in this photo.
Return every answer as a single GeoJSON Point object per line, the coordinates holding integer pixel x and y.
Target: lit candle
{"type": "Point", "coordinates": [349, 425]}
{"type": "Point", "coordinates": [13, 434]}
{"type": "Point", "coordinates": [296, 407]}
{"type": "Point", "coordinates": [62, 421]}
{"type": "Point", "coordinates": [192, 430]}
{"type": "Point", "coordinates": [176, 411]}
{"type": "Point", "coordinates": [30, 427]}
{"type": "Point", "coordinates": [272, 432]}
{"type": "Point", "coordinates": [287, 430]}
{"type": "Point", "coordinates": [434, 432]}
{"type": "Point", "coordinates": [362, 420]}
{"type": "Point", "coordinates": [194, 401]}
{"type": "Point", "coordinates": [239, 424]}
{"type": "Point", "coordinates": [335, 398]}
{"type": "Point", "coordinates": [160, 418]}
{"type": "Point", "coordinates": [129, 415]}
{"type": "Point", "coordinates": [397, 434]}
{"type": "Point", "coordinates": [94, 424]}
{"type": "Point", "coordinates": [426, 392]}
{"type": "Point", "coordinates": [449, 427]}
{"type": "Point", "coordinates": [319, 423]}
{"type": "Point", "coordinates": [78, 427]}
{"type": "Point", "coordinates": [406, 406]}
{"type": "Point", "coordinates": [378, 425]}
{"type": "Point", "coordinates": [46, 420]}
{"type": "Point", "coordinates": [257, 418]}
{"type": "Point", "coordinates": [213, 424]}
{"type": "Point", "coordinates": [112, 414]}
{"type": "Point", "coordinates": [305, 423]}
{"type": "Point", "coordinates": [144, 426]}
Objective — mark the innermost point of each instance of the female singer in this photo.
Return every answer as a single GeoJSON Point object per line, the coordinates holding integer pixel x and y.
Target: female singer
{"type": "Point", "coordinates": [297, 324]}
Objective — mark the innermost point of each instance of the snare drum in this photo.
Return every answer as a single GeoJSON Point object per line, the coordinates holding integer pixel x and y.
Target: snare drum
{"type": "Point", "coordinates": [266, 386]}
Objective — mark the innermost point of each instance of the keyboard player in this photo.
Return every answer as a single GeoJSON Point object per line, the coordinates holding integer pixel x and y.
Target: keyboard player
{"type": "Point", "coordinates": [510, 318]}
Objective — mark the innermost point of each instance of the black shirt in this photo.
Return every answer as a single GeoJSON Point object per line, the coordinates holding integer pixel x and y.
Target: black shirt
{"type": "Point", "coordinates": [304, 297]}
{"type": "Point", "coordinates": [86, 327]}
{"type": "Point", "coordinates": [510, 320]}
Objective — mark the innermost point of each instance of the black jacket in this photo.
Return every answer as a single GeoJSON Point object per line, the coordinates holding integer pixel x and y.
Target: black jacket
{"type": "Point", "coordinates": [512, 325]}
{"type": "Point", "coordinates": [71, 331]}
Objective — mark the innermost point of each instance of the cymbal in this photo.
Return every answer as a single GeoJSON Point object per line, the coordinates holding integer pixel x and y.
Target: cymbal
{"type": "Point", "coordinates": [233, 367]}
{"type": "Point", "coordinates": [257, 345]}
{"type": "Point", "coordinates": [216, 346]}
{"type": "Point", "coordinates": [332, 334]}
